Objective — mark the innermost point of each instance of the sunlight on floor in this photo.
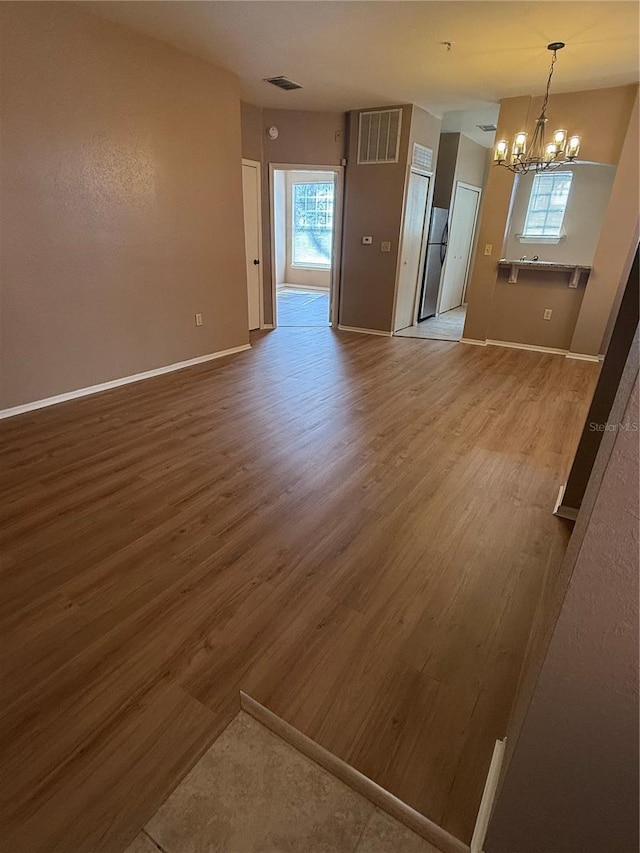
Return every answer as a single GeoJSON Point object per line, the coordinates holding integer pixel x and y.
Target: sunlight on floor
{"type": "Point", "coordinates": [299, 307]}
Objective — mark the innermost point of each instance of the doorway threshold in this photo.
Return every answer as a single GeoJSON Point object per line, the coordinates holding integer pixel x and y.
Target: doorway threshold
{"type": "Point", "coordinates": [444, 327]}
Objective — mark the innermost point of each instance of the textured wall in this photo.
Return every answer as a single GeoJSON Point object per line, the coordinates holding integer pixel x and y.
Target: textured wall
{"type": "Point", "coordinates": [584, 214]}
{"type": "Point", "coordinates": [251, 118]}
{"type": "Point", "coordinates": [374, 200]}
{"type": "Point", "coordinates": [572, 785]}
{"type": "Point", "coordinates": [446, 169]}
{"type": "Point", "coordinates": [616, 247]}
{"type": "Point", "coordinates": [306, 139]}
{"type": "Point", "coordinates": [602, 117]}
{"type": "Point", "coordinates": [122, 203]}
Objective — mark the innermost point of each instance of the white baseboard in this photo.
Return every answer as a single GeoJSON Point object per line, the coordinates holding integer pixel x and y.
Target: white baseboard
{"type": "Point", "coordinates": [531, 347]}
{"type": "Point", "coordinates": [116, 383]}
{"type": "Point", "coordinates": [488, 797]}
{"type": "Point", "coordinates": [267, 326]}
{"type": "Point", "coordinates": [580, 356]}
{"type": "Point", "coordinates": [561, 511]}
{"type": "Point", "coordinates": [380, 797]}
{"type": "Point", "coordinates": [363, 331]}
{"type": "Point", "coordinates": [559, 498]}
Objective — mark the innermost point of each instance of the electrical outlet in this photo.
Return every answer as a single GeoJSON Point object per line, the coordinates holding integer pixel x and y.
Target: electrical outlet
{"type": "Point", "coordinates": [547, 314]}
{"type": "Point", "coordinates": [367, 241]}
{"type": "Point", "coordinates": [198, 319]}
{"type": "Point", "coordinates": [385, 246]}
{"type": "Point", "coordinates": [488, 248]}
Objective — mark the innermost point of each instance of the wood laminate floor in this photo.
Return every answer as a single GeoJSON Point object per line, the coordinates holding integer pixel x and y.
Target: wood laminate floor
{"type": "Point", "coordinates": [354, 530]}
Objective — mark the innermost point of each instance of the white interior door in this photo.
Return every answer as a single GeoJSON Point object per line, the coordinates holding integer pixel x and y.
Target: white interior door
{"type": "Point", "coordinates": [252, 239]}
{"type": "Point", "coordinates": [461, 232]}
{"type": "Point", "coordinates": [411, 250]}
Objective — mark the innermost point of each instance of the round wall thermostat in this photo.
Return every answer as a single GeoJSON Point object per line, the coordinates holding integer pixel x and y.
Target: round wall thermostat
{"type": "Point", "coordinates": [273, 132]}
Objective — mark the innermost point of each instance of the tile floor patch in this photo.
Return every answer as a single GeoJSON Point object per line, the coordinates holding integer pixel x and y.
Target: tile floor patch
{"type": "Point", "coordinates": [384, 834]}
{"type": "Point", "coordinates": [142, 844]}
{"type": "Point", "coordinates": [445, 327]}
{"type": "Point", "coordinates": [253, 792]}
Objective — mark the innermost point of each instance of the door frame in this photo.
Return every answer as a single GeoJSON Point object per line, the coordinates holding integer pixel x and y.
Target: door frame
{"type": "Point", "coordinates": [474, 239]}
{"type": "Point", "coordinates": [423, 248]}
{"type": "Point", "coordinates": [258, 166]}
{"type": "Point", "coordinates": [336, 253]}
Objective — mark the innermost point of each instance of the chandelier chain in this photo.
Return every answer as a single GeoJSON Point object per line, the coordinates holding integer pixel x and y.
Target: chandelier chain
{"type": "Point", "coordinates": [546, 97]}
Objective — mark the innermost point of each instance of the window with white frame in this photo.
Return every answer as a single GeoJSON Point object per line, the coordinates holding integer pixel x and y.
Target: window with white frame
{"type": "Point", "coordinates": [547, 205]}
{"type": "Point", "coordinates": [312, 224]}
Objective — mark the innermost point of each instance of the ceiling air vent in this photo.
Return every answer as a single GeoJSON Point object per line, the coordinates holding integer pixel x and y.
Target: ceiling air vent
{"type": "Point", "coordinates": [379, 136]}
{"type": "Point", "coordinates": [283, 83]}
{"type": "Point", "coordinates": [488, 128]}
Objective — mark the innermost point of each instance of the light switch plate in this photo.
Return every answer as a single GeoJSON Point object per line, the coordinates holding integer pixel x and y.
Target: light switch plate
{"type": "Point", "coordinates": [367, 241]}
{"type": "Point", "coordinates": [488, 248]}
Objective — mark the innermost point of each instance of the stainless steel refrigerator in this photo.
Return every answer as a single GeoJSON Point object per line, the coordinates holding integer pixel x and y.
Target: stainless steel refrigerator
{"type": "Point", "coordinates": [436, 253]}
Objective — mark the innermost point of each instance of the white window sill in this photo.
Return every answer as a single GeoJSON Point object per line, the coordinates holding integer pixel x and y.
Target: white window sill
{"type": "Point", "coordinates": [541, 241]}
{"type": "Point", "coordinates": [320, 267]}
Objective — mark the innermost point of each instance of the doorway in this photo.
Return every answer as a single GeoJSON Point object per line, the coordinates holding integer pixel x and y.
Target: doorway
{"type": "Point", "coordinates": [304, 224]}
{"type": "Point", "coordinates": [442, 310]}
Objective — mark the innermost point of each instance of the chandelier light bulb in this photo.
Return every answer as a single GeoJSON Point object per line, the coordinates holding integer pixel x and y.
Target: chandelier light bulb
{"type": "Point", "coordinates": [573, 147]}
{"type": "Point", "coordinates": [537, 154]}
{"type": "Point", "coordinates": [560, 140]}
{"type": "Point", "coordinates": [520, 144]}
{"type": "Point", "coordinates": [500, 154]}
{"type": "Point", "coordinates": [550, 152]}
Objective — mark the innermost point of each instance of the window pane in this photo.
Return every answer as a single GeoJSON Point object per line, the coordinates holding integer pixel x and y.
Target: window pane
{"type": "Point", "coordinates": [312, 205]}
{"type": "Point", "coordinates": [547, 204]}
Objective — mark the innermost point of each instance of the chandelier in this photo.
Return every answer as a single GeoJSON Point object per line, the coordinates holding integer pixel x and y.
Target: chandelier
{"type": "Point", "coordinates": [539, 156]}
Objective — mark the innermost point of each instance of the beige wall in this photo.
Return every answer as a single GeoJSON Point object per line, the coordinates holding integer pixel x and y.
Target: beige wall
{"type": "Point", "coordinates": [471, 165]}
{"type": "Point", "coordinates": [459, 159]}
{"type": "Point", "coordinates": [615, 250]}
{"type": "Point", "coordinates": [372, 207]}
{"type": "Point", "coordinates": [517, 309]}
{"type": "Point", "coordinates": [252, 131]}
{"type": "Point", "coordinates": [572, 784]}
{"type": "Point", "coordinates": [586, 207]}
{"type": "Point", "coordinates": [305, 138]}
{"type": "Point", "coordinates": [374, 196]}
{"type": "Point", "coordinates": [122, 203]}
{"type": "Point", "coordinates": [446, 169]}
{"type": "Point", "coordinates": [602, 118]}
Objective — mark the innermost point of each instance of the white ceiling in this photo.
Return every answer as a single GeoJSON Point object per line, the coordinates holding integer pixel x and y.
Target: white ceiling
{"type": "Point", "coordinates": [349, 55]}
